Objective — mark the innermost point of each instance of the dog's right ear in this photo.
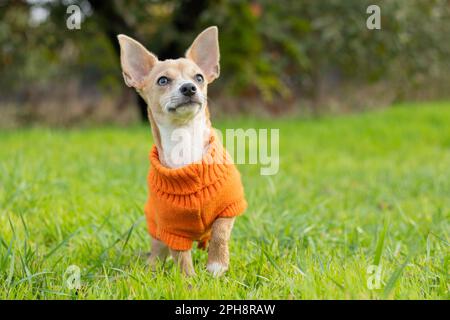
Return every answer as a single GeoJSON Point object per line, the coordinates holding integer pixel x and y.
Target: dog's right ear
{"type": "Point", "coordinates": [204, 51]}
{"type": "Point", "coordinates": [136, 61]}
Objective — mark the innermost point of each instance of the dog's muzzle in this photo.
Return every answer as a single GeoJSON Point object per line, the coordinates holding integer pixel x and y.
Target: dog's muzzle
{"type": "Point", "coordinates": [187, 103]}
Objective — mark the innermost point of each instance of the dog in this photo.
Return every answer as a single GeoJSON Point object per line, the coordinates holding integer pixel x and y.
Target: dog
{"type": "Point", "coordinates": [195, 191]}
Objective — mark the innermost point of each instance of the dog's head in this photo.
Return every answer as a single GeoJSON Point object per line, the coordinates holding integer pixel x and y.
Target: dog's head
{"type": "Point", "coordinates": [175, 90]}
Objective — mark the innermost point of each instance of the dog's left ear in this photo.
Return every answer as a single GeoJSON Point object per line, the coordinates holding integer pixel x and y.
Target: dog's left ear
{"type": "Point", "coordinates": [204, 51]}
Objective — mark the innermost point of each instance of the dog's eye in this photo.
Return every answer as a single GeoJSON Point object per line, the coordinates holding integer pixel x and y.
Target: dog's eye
{"type": "Point", "coordinates": [162, 81]}
{"type": "Point", "coordinates": [199, 78]}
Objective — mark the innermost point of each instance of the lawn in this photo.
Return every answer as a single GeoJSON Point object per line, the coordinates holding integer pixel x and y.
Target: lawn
{"type": "Point", "coordinates": [352, 191]}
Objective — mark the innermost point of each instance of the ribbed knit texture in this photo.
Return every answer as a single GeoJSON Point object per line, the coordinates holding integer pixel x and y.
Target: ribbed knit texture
{"type": "Point", "coordinates": [184, 202]}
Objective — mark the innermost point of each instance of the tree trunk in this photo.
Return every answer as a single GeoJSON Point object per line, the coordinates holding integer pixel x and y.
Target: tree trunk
{"type": "Point", "coordinates": [184, 20]}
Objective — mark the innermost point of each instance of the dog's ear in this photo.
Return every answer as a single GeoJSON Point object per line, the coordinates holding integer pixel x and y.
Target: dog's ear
{"type": "Point", "coordinates": [204, 51]}
{"type": "Point", "coordinates": [136, 61]}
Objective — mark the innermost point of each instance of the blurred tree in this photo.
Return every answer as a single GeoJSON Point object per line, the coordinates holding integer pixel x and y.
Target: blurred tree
{"type": "Point", "coordinates": [270, 50]}
{"type": "Point", "coordinates": [107, 19]}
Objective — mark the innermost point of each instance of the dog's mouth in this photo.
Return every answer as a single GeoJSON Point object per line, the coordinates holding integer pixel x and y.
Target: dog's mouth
{"type": "Point", "coordinates": [188, 103]}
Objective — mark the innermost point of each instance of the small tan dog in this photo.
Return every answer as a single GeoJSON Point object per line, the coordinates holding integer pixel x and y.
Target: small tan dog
{"type": "Point", "coordinates": [176, 95]}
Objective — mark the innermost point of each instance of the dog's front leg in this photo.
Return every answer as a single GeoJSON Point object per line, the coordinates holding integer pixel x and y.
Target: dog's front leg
{"type": "Point", "coordinates": [218, 254]}
{"type": "Point", "coordinates": [159, 252]}
{"type": "Point", "coordinates": [184, 260]}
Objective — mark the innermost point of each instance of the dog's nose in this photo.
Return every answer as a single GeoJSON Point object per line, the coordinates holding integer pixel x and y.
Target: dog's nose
{"type": "Point", "coordinates": [188, 89]}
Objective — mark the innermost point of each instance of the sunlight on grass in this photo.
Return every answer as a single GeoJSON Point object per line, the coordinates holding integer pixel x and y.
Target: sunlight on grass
{"type": "Point", "coordinates": [352, 191]}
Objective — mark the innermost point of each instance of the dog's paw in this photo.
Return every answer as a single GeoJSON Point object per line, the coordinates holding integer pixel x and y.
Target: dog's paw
{"type": "Point", "coordinates": [216, 269]}
{"type": "Point", "coordinates": [153, 263]}
{"type": "Point", "coordinates": [189, 273]}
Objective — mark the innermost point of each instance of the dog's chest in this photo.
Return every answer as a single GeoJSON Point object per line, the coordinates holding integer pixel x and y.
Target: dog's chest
{"type": "Point", "coordinates": [183, 145]}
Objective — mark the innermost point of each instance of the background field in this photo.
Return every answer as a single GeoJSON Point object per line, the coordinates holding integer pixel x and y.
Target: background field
{"type": "Point", "coordinates": [352, 191]}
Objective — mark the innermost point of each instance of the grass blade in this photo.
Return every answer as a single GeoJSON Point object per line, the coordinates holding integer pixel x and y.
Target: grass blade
{"type": "Point", "coordinates": [380, 244]}
{"type": "Point", "coordinates": [394, 278]}
{"type": "Point", "coordinates": [59, 245]}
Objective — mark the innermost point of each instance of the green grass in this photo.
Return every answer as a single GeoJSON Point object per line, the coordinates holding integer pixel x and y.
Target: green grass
{"type": "Point", "coordinates": [352, 191]}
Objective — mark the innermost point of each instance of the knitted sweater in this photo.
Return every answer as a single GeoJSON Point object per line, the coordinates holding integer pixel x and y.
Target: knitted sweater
{"type": "Point", "coordinates": [184, 202]}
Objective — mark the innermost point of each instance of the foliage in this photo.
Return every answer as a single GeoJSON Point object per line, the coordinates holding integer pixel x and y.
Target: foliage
{"type": "Point", "coordinates": [305, 41]}
{"type": "Point", "coordinates": [270, 49]}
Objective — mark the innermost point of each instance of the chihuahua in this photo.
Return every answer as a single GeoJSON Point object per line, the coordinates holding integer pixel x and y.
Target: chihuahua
{"type": "Point", "coordinates": [190, 198]}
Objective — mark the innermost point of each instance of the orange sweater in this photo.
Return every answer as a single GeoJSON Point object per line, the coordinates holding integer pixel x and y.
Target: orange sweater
{"type": "Point", "coordinates": [184, 202]}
